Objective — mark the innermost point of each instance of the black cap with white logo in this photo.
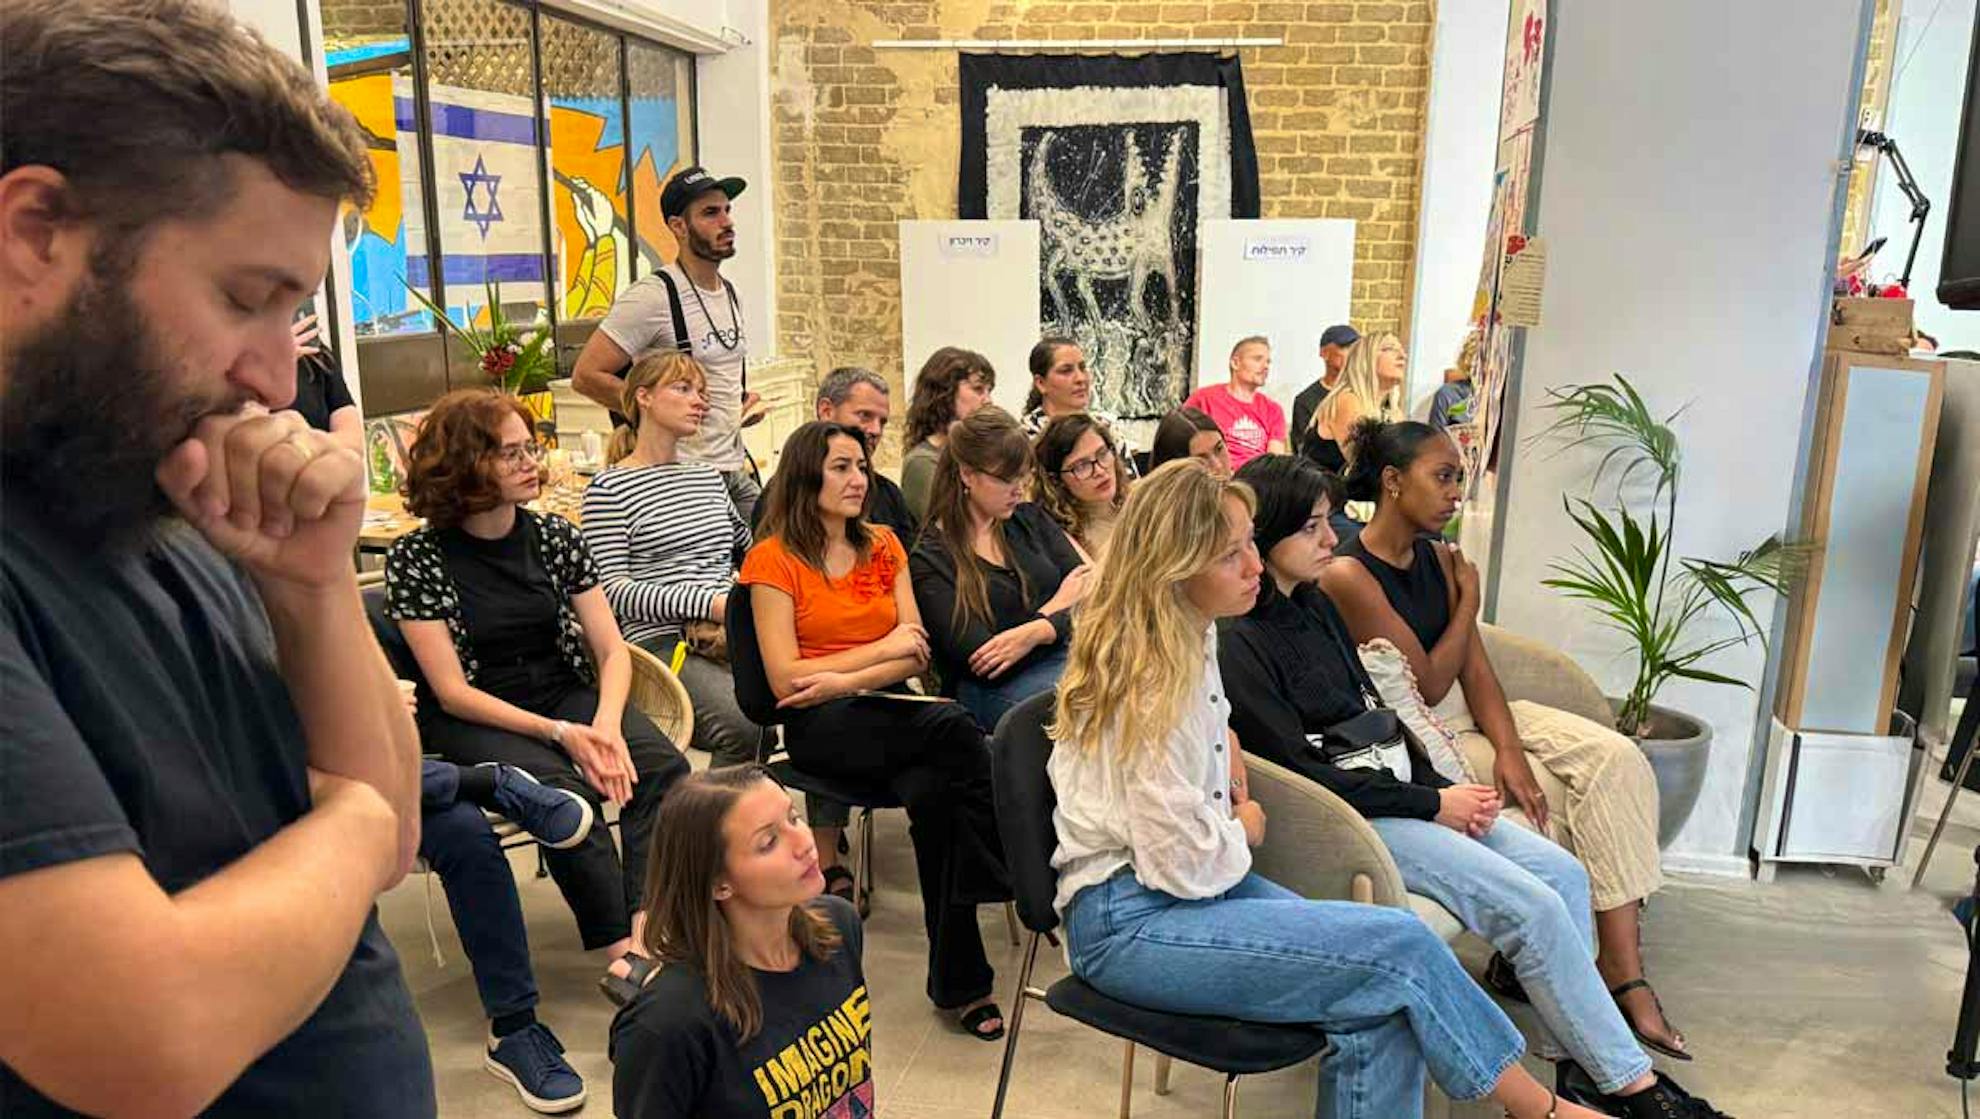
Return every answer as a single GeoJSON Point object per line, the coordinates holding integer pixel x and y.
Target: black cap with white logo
{"type": "Point", "coordinates": [690, 184]}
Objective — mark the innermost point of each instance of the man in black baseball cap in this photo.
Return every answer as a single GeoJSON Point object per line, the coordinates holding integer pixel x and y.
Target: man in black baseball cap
{"type": "Point", "coordinates": [1334, 344]}
{"type": "Point", "coordinates": [687, 306]}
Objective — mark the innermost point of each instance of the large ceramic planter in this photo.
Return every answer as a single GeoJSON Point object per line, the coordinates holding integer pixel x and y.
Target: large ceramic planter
{"type": "Point", "coordinates": [1678, 746]}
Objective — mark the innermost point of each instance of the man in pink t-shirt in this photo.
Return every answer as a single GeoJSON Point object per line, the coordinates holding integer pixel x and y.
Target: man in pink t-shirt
{"type": "Point", "coordinates": [1253, 423]}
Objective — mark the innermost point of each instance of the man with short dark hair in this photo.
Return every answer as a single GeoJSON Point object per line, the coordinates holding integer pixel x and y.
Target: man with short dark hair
{"type": "Point", "coordinates": [208, 774]}
{"type": "Point", "coordinates": [1253, 424]}
{"type": "Point", "coordinates": [687, 306]}
{"type": "Point", "coordinates": [859, 398]}
{"type": "Point", "coordinates": [1334, 344]}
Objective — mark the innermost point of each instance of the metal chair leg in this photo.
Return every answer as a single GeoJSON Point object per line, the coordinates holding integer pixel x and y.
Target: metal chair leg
{"type": "Point", "coordinates": [1959, 782]}
{"type": "Point", "coordinates": [1025, 993]}
{"type": "Point", "coordinates": [866, 848]}
{"type": "Point", "coordinates": [1127, 1082]}
{"type": "Point", "coordinates": [1162, 1064]}
{"type": "Point", "coordinates": [1230, 1096]}
{"type": "Point", "coordinates": [1011, 922]}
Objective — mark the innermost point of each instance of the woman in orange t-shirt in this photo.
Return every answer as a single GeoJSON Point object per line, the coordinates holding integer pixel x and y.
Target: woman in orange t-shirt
{"type": "Point", "coordinates": [835, 614]}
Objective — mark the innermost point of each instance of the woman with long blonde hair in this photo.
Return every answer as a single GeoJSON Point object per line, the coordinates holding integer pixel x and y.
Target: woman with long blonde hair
{"type": "Point", "coordinates": [667, 540]}
{"type": "Point", "coordinates": [1155, 831]}
{"type": "Point", "coordinates": [1370, 385]}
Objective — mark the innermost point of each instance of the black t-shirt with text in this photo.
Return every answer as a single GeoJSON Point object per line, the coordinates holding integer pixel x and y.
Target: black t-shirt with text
{"type": "Point", "coordinates": [673, 1058]}
{"type": "Point", "coordinates": [142, 712]}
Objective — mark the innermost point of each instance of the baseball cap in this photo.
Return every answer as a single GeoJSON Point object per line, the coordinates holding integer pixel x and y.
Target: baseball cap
{"type": "Point", "coordinates": [691, 184]}
{"type": "Point", "coordinates": [1341, 335]}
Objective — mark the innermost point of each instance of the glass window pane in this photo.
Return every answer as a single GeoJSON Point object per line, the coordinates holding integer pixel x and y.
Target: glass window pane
{"type": "Point", "coordinates": [661, 85]}
{"type": "Point", "coordinates": [589, 237]}
{"type": "Point", "coordinates": [369, 57]}
{"type": "Point", "coordinates": [485, 158]}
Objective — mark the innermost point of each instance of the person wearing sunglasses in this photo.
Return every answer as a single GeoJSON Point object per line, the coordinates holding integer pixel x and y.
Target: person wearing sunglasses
{"type": "Point", "coordinates": [1082, 480]}
{"type": "Point", "coordinates": [503, 610]}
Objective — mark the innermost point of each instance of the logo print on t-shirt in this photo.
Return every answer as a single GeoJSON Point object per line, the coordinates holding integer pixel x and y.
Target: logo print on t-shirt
{"type": "Point", "coordinates": [827, 1073]}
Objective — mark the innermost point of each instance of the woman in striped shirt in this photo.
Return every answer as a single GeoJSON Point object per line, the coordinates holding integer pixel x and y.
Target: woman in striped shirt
{"type": "Point", "coordinates": [667, 540]}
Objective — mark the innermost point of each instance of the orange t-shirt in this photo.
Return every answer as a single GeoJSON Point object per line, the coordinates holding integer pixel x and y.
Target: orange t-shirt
{"type": "Point", "coordinates": [833, 615]}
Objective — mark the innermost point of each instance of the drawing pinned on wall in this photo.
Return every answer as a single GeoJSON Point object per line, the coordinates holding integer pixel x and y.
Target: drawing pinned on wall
{"type": "Point", "coordinates": [1117, 159]}
{"type": "Point", "coordinates": [1526, 40]}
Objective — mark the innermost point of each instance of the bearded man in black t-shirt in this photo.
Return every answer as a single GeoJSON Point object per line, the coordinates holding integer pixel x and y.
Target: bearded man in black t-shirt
{"type": "Point", "coordinates": [206, 772]}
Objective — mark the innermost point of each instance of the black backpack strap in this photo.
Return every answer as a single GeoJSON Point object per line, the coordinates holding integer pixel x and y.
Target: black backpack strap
{"type": "Point", "coordinates": [737, 305]}
{"type": "Point", "coordinates": [674, 310]}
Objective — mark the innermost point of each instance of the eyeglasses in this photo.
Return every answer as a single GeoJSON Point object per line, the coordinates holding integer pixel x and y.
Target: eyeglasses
{"type": "Point", "coordinates": [1090, 467]}
{"type": "Point", "coordinates": [515, 456]}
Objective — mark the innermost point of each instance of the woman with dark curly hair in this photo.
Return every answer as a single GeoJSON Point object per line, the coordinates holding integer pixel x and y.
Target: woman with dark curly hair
{"type": "Point", "coordinates": [953, 383]}
{"type": "Point", "coordinates": [841, 635]}
{"type": "Point", "coordinates": [502, 608]}
{"type": "Point", "coordinates": [1082, 481]}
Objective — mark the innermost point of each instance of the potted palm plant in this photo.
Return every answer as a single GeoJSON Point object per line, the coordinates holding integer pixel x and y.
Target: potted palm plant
{"type": "Point", "coordinates": [1662, 603]}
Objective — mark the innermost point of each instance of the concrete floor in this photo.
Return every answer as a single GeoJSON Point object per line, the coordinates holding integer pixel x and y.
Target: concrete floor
{"type": "Point", "coordinates": [1820, 996]}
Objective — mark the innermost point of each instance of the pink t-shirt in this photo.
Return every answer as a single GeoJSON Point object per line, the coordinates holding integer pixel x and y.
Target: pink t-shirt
{"type": "Point", "coordinates": [1247, 428]}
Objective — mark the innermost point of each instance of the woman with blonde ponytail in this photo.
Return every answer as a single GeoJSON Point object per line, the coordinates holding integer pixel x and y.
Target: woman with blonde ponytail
{"type": "Point", "coordinates": [1155, 831]}
{"type": "Point", "coordinates": [667, 540]}
{"type": "Point", "coordinates": [1370, 385]}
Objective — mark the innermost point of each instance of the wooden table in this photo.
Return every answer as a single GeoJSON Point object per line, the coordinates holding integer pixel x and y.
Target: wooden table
{"type": "Point", "coordinates": [386, 519]}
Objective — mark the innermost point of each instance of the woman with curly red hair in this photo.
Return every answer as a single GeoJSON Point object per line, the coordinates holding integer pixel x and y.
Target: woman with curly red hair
{"type": "Point", "coordinates": [838, 628]}
{"type": "Point", "coordinates": [502, 608]}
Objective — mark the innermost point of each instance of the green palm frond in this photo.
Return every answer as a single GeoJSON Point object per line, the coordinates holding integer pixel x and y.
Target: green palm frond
{"type": "Point", "coordinates": [1615, 418]}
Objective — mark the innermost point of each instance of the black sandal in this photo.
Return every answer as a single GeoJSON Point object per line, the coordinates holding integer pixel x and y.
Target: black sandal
{"type": "Point", "coordinates": [840, 884]}
{"type": "Point", "coordinates": [1619, 990]}
{"type": "Point", "coordinates": [1501, 980]}
{"type": "Point", "coordinates": [972, 1022]}
{"type": "Point", "coordinates": [622, 989]}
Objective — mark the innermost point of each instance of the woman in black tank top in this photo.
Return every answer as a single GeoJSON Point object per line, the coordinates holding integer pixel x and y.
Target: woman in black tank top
{"type": "Point", "coordinates": [1420, 594]}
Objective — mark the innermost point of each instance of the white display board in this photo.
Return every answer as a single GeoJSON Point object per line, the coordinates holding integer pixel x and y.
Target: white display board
{"type": "Point", "coordinates": [1285, 278]}
{"type": "Point", "coordinates": [972, 284]}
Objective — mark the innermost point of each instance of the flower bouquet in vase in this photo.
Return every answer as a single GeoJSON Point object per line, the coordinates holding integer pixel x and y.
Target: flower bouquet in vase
{"type": "Point", "coordinates": [518, 358]}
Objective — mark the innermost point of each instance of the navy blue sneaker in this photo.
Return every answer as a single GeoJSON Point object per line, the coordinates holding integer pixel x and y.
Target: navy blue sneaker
{"type": "Point", "coordinates": [532, 1060]}
{"type": "Point", "coordinates": [556, 818]}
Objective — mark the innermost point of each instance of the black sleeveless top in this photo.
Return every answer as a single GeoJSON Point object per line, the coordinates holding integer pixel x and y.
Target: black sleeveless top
{"type": "Point", "coordinates": [1419, 593]}
{"type": "Point", "coordinates": [1322, 452]}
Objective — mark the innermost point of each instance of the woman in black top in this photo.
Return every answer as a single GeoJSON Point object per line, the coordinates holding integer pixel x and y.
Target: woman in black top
{"type": "Point", "coordinates": [1421, 595]}
{"type": "Point", "coordinates": [995, 577]}
{"type": "Point", "coordinates": [761, 1007]}
{"type": "Point", "coordinates": [1190, 433]}
{"type": "Point", "coordinates": [1293, 675]}
{"type": "Point", "coordinates": [502, 609]}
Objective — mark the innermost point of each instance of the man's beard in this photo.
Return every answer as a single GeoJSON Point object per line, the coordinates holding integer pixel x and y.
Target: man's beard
{"type": "Point", "coordinates": [88, 412]}
{"type": "Point", "coordinates": [709, 250]}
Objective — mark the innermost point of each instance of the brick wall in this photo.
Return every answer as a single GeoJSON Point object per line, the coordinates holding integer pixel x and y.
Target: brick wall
{"type": "Point", "coordinates": [1862, 173]}
{"type": "Point", "coordinates": [866, 138]}
{"type": "Point", "coordinates": [344, 20]}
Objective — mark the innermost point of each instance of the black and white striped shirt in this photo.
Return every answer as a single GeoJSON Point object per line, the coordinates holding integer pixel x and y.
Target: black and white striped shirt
{"type": "Point", "coordinates": [666, 540]}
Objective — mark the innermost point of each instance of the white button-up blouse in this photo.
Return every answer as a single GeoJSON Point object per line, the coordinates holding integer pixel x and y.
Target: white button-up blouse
{"type": "Point", "coordinates": [1165, 811]}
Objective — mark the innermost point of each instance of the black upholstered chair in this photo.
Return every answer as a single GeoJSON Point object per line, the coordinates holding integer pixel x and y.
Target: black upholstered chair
{"type": "Point", "coordinates": [1024, 817]}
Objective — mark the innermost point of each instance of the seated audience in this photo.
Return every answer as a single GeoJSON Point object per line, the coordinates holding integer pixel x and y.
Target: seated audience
{"type": "Point", "coordinates": [1300, 697]}
{"type": "Point", "coordinates": [461, 848]}
{"type": "Point", "coordinates": [1082, 480]}
{"type": "Point", "coordinates": [858, 398]}
{"type": "Point", "coordinates": [1334, 343]}
{"type": "Point", "coordinates": [994, 576]}
{"type": "Point", "coordinates": [1451, 403]}
{"type": "Point", "coordinates": [1253, 423]}
{"type": "Point", "coordinates": [1061, 385]}
{"type": "Point", "coordinates": [667, 540]}
{"type": "Point", "coordinates": [757, 965]}
{"type": "Point", "coordinates": [1371, 377]}
{"type": "Point", "coordinates": [841, 635]}
{"type": "Point", "coordinates": [952, 383]}
{"type": "Point", "coordinates": [1190, 433]}
{"type": "Point", "coordinates": [1421, 596]}
{"type": "Point", "coordinates": [502, 609]}
{"type": "Point", "coordinates": [1155, 830]}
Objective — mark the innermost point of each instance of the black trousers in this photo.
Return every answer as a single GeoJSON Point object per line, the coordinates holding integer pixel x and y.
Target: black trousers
{"type": "Point", "coordinates": [935, 759]}
{"type": "Point", "coordinates": [603, 891]}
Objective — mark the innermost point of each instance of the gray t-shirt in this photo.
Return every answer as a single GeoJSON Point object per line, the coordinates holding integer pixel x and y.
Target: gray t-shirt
{"type": "Point", "coordinates": [641, 323]}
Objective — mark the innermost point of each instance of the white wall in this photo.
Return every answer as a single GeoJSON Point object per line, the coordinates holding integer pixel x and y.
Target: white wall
{"type": "Point", "coordinates": [732, 106]}
{"type": "Point", "coordinates": [1689, 196]}
{"type": "Point", "coordinates": [1460, 146]}
{"type": "Point", "coordinates": [1922, 115]}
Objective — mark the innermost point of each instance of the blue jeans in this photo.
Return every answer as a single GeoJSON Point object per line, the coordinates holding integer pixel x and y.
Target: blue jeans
{"type": "Point", "coordinates": [1529, 899]}
{"type": "Point", "coordinates": [987, 700]}
{"type": "Point", "coordinates": [1388, 992]}
{"type": "Point", "coordinates": [456, 841]}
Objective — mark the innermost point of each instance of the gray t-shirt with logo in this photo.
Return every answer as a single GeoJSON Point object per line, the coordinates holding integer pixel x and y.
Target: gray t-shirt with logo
{"type": "Point", "coordinates": [641, 323]}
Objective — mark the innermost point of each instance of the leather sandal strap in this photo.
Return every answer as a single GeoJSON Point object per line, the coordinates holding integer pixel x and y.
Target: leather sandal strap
{"type": "Point", "coordinates": [1621, 989]}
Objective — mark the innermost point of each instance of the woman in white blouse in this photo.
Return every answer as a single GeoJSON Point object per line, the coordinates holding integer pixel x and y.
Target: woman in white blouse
{"type": "Point", "coordinates": [1155, 834]}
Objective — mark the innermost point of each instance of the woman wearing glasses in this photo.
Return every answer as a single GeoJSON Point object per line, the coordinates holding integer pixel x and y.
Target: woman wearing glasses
{"type": "Point", "coordinates": [502, 608]}
{"type": "Point", "coordinates": [1082, 480]}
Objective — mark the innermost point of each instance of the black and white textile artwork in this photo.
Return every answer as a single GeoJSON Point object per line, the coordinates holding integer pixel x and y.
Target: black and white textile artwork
{"type": "Point", "coordinates": [1117, 159]}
